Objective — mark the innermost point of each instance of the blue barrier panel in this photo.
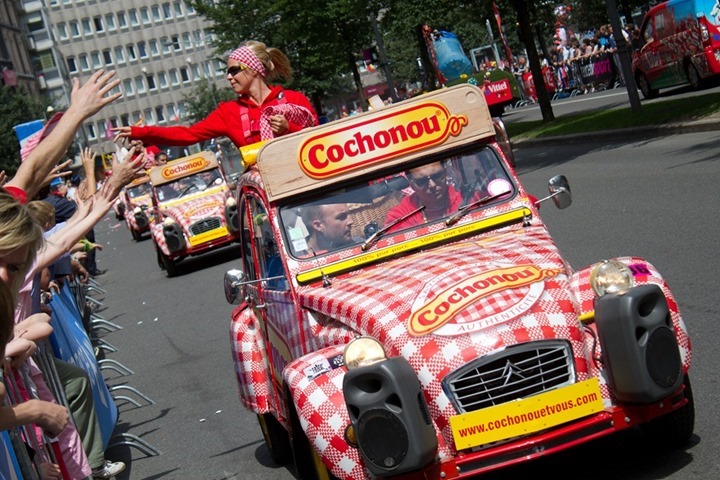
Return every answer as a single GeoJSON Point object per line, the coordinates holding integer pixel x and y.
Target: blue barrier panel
{"type": "Point", "coordinates": [9, 467]}
{"type": "Point", "coordinates": [72, 344]}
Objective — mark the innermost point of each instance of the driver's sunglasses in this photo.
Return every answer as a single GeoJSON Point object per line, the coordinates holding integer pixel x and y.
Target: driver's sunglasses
{"type": "Point", "coordinates": [235, 69]}
{"type": "Point", "coordinates": [423, 182]}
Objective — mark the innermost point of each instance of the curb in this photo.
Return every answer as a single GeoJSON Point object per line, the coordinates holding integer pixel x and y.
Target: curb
{"type": "Point", "coordinates": [635, 133]}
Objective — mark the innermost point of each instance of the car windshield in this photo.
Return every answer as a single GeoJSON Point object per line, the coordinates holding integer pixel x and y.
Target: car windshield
{"type": "Point", "coordinates": [442, 189]}
{"type": "Point", "coordinates": [189, 185]}
{"type": "Point", "coordinates": [139, 190]}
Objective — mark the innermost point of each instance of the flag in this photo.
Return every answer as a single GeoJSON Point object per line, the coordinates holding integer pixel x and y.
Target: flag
{"type": "Point", "coordinates": [108, 130]}
{"type": "Point", "coordinates": [508, 52]}
{"type": "Point", "coordinates": [33, 140]}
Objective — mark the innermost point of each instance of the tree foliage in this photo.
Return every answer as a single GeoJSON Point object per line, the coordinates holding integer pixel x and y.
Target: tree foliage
{"type": "Point", "coordinates": [16, 107]}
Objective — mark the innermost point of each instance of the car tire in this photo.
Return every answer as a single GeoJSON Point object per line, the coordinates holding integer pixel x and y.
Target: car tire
{"type": "Point", "coordinates": [676, 427]}
{"type": "Point", "coordinates": [308, 464]}
{"type": "Point", "coordinates": [137, 236]}
{"type": "Point", "coordinates": [276, 438]}
{"type": "Point", "coordinates": [693, 77]}
{"type": "Point", "coordinates": [644, 86]}
{"type": "Point", "coordinates": [168, 264]}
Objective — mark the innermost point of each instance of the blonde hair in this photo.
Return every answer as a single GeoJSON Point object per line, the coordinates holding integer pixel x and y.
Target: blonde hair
{"type": "Point", "coordinates": [277, 64]}
{"type": "Point", "coordinates": [7, 321]}
{"type": "Point", "coordinates": [43, 212]}
{"type": "Point", "coordinates": [18, 228]}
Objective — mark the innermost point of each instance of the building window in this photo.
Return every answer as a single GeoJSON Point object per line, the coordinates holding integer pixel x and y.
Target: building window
{"type": "Point", "coordinates": [110, 22]}
{"type": "Point", "coordinates": [84, 64]}
{"type": "Point", "coordinates": [198, 38]}
{"type": "Point", "coordinates": [120, 54]}
{"type": "Point", "coordinates": [175, 40]}
{"type": "Point", "coordinates": [174, 80]}
{"type": "Point", "coordinates": [125, 119]}
{"type": "Point", "coordinates": [162, 80]}
{"type": "Point", "coordinates": [184, 75]}
{"type": "Point", "coordinates": [195, 72]}
{"type": "Point", "coordinates": [181, 109]}
{"type": "Point", "coordinates": [160, 114]}
{"type": "Point", "coordinates": [137, 116]}
{"type": "Point", "coordinates": [140, 85]}
{"type": "Point", "coordinates": [87, 28]}
{"type": "Point", "coordinates": [91, 132]}
{"type": "Point", "coordinates": [132, 56]}
{"type": "Point", "coordinates": [72, 65]}
{"type": "Point", "coordinates": [62, 31]}
{"type": "Point", "coordinates": [189, 9]}
{"type": "Point", "coordinates": [107, 57]}
{"type": "Point", "coordinates": [122, 20]}
{"type": "Point", "coordinates": [74, 29]}
{"type": "Point", "coordinates": [99, 27]}
{"type": "Point", "coordinates": [166, 44]}
{"type": "Point", "coordinates": [167, 13]}
{"type": "Point", "coordinates": [128, 87]}
{"type": "Point", "coordinates": [103, 129]}
{"type": "Point", "coordinates": [134, 22]}
{"type": "Point", "coordinates": [96, 63]}
{"type": "Point", "coordinates": [142, 50]}
{"type": "Point", "coordinates": [151, 82]}
{"type": "Point", "coordinates": [149, 117]}
{"type": "Point", "coordinates": [145, 15]}
{"type": "Point", "coordinates": [186, 41]}
{"type": "Point", "coordinates": [155, 9]}
{"type": "Point", "coordinates": [154, 50]}
{"type": "Point", "coordinates": [178, 9]}
{"type": "Point", "coordinates": [172, 113]}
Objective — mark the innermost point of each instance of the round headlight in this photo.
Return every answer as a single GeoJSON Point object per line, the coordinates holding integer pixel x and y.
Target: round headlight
{"type": "Point", "coordinates": [611, 276]}
{"type": "Point", "coordinates": [230, 202]}
{"type": "Point", "coordinates": [168, 221]}
{"type": "Point", "coordinates": [363, 351]}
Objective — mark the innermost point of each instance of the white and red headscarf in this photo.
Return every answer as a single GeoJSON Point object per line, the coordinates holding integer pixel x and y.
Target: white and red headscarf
{"type": "Point", "coordinates": [246, 56]}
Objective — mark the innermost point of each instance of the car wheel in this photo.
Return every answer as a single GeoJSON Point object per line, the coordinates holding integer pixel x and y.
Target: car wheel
{"type": "Point", "coordinates": [645, 88]}
{"type": "Point", "coordinates": [308, 464]}
{"type": "Point", "coordinates": [276, 439]}
{"type": "Point", "coordinates": [135, 234]}
{"type": "Point", "coordinates": [168, 264]}
{"type": "Point", "coordinates": [693, 77]}
{"type": "Point", "coordinates": [676, 427]}
{"type": "Point", "coordinates": [158, 257]}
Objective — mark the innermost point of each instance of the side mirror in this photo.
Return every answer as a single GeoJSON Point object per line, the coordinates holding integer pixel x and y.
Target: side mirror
{"type": "Point", "coordinates": [559, 189]}
{"type": "Point", "coordinates": [233, 283]}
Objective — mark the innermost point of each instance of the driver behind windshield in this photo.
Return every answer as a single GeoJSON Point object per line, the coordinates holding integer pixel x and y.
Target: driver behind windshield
{"type": "Point", "coordinates": [430, 190]}
{"type": "Point", "coordinates": [329, 226]}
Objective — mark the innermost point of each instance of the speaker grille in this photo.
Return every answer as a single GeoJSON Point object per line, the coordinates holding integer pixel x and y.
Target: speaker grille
{"type": "Point", "coordinates": [384, 438]}
{"type": "Point", "coordinates": [663, 358]}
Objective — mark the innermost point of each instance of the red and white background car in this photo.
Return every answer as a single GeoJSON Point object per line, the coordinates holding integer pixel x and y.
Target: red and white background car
{"type": "Point", "coordinates": [195, 210]}
{"type": "Point", "coordinates": [445, 348]}
{"type": "Point", "coordinates": [138, 207]}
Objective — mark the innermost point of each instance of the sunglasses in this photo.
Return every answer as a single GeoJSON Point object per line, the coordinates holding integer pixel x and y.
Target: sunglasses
{"type": "Point", "coordinates": [423, 182]}
{"type": "Point", "coordinates": [235, 69]}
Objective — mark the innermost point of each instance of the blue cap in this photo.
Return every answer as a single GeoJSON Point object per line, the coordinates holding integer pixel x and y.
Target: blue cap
{"type": "Point", "coordinates": [56, 182]}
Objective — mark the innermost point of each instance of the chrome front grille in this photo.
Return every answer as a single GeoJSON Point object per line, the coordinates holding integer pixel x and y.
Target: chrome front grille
{"type": "Point", "coordinates": [205, 225]}
{"type": "Point", "coordinates": [515, 372]}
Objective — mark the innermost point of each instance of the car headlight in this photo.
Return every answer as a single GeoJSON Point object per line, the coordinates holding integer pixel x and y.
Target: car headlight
{"type": "Point", "coordinates": [363, 351]}
{"type": "Point", "coordinates": [230, 202]}
{"type": "Point", "coordinates": [137, 210]}
{"type": "Point", "coordinates": [611, 276]}
{"type": "Point", "coordinates": [168, 222]}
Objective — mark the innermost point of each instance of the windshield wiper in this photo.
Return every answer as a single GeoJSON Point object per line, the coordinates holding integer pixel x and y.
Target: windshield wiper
{"type": "Point", "coordinates": [376, 236]}
{"type": "Point", "coordinates": [470, 206]}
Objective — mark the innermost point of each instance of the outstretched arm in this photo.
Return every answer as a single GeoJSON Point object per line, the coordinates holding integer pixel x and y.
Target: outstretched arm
{"type": "Point", "coordinates": [86, 100]}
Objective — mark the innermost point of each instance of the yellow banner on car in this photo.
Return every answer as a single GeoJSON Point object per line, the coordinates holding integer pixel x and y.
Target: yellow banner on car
{"type": "Point", "coordinates": [528, 415]}
{"type": "Point", "coordinates": [196, 240]}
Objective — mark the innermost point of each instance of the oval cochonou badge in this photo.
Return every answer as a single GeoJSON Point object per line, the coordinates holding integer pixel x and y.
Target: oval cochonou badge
{"type": "Point", "coordinates": [378, 139]}
{"type": "Point", "coordinates": [183, 168]}
{"type": "Point", "coordinates": [463, 301]}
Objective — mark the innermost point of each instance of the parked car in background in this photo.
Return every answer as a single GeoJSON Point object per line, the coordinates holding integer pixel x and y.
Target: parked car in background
{"type": "Point", "coordinates": [138, 207]}
{"type": "Point", "coordinates": [681, 44]}
{"type": "Point", "coordinates": [195, 210]}
{"type": "Point", "coordinates": [403, 311]}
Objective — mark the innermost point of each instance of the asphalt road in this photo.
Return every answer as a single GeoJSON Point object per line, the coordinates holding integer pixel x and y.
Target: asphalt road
{"type": "Point", "coordinates": [653, 198]}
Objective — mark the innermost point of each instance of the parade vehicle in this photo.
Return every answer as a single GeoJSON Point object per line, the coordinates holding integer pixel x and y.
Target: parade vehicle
{"type": "Point", "coordinates": [195, 210]}
{"type": "Point", "coordinates": [137, 206]}
{"type": "Point", "coordinates": [681, 44]}
{"type": "Point", "coordinates": [435, 335]}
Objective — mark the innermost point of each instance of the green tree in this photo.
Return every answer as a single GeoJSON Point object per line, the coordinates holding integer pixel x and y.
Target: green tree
{"type": "Point", "coordinates": [205, 98]}
{"type": "Point", "coordinates": [16, 107]}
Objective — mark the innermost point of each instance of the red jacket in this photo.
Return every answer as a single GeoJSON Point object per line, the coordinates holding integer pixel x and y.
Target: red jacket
{"type": "Point", "coordinates": [412, 202]}
{"type": "Point", "coordinates": [226, 121]}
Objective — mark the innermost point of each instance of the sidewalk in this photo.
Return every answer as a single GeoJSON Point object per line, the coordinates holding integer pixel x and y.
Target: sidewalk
{"type": "Point", "coordinates": [707, 124]}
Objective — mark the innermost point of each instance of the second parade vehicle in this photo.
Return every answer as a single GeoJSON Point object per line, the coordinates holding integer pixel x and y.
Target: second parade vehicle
{"type": "Point", "coordinates": [403, 311]}
{"type": "Point", "coordinates": [195, 211]}
{"type": "Point", "coordinates": [137, 207]}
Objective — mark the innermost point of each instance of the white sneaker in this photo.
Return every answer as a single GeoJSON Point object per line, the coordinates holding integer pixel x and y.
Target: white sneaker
{"type": "Point", "coordinates": [109, 470]}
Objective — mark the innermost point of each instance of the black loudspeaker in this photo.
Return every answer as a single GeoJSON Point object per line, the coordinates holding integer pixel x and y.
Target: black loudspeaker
{"type": "Point", "coordinates": [231, 217]}
{"type": "Point", "coordinates": [639, 347]}
{"type": "Point", "coordinates": [173, 237]}
{"type": "Point", "coordinates": [141, 220]}
{"type": "Point", "coordinates": [390, 416]}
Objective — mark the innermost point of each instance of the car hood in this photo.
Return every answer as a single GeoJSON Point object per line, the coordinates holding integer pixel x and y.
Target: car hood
{"type": "Point", "coordinates": [464, 299]}
{"type": "Point", "coordinates": [196, 209]}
